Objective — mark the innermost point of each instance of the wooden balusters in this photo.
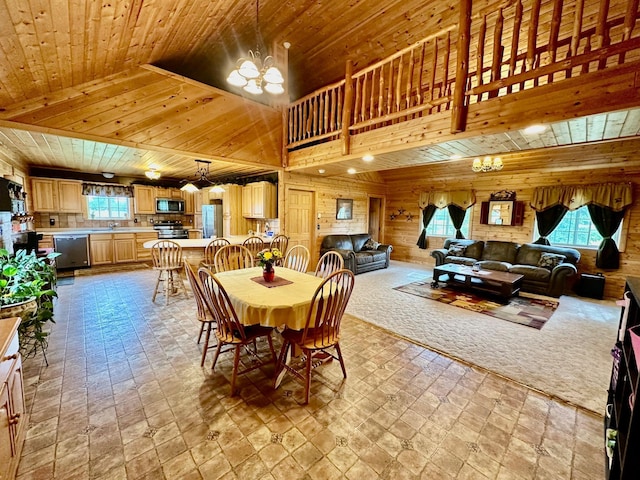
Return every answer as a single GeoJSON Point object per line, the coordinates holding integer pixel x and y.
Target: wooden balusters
{"type": "Point", "coordinates": [533, 33]}
{"type": "Point", "coordinates": [458, 116]}
{"type": "Point", "coordinates": [346, 115]}
{"type": "Point", "coordinates": [480, 53]}
{"type": "Point", "coordinates": [497, 52]}
{"type": "Point", "coordinates": [515, 40]}
{"type": "Point", "coordinates": [553, 34]}
{"type": "Point", "coordinates": [629, 23]}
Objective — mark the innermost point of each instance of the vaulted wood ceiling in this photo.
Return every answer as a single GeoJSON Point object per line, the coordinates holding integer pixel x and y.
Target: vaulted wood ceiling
{"type": "Point", "coordinates": [62, 62]}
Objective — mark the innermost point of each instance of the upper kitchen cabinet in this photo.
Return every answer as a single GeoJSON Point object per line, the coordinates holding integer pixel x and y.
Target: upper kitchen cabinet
{"type": "Point", "coordinates": [144, 199]}
{"type": "Point", "coordinates": [50, 195]}
{"type": "Point", "coordinates": [69, 196]}
{"type": "Point", "coordinates": [233, 222]}
{"type": "Point", "coordinates": [168, 193]}
{"type": "Point", "coordinates": [193, 202]}
{"type": "Point", "coordinates": [259, 200]}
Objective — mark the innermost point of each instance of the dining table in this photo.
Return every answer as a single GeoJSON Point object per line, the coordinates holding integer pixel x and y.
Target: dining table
{"type": "Point", "coordinates": [283, 302]}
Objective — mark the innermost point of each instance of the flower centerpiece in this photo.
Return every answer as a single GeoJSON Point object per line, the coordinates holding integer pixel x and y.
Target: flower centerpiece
{"type": "Point", "coordinates": [266, 260]}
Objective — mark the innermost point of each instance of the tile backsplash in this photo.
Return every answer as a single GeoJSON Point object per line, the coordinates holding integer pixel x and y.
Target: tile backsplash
{"type": "Point", "coordinates": [77, 220]}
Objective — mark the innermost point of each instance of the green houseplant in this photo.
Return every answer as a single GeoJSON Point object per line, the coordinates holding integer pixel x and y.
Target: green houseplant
{"type": "Point", "coordinates": [27, 290]}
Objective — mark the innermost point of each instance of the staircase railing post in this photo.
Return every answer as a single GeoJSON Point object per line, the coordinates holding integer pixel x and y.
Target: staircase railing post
{"type": "Point", "coordinates": [459, 113]}
{"type": "Point", "coordinates": [347, 108]}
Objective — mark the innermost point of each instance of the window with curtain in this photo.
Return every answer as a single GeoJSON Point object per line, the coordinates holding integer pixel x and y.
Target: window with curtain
{"type": "Point", "coordinates": [441, 225]}
{"type": "Point", "coordinates": [108, 208]}
{"type": "Point", "coordinates": [577, 230]}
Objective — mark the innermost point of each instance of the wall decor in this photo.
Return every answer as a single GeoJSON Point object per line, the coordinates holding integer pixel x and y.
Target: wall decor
{"type": "Point", "coordinates": [344, 209]}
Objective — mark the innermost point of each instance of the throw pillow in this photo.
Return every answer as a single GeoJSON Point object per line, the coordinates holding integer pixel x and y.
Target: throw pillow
{"type": "Point", "coordinates": [370, 244]}
{"type": "Point", "coordinates": [457, 250]}
{"type": "Point", "coordinates": [550, 260]}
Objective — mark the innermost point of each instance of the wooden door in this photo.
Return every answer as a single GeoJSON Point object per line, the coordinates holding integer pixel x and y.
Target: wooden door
{"type": "Point", "coordinates": [376, 214]}
{"type": "Point", "coordinates": [300, 221]}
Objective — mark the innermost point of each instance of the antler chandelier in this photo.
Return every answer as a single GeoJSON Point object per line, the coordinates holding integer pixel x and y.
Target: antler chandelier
{"type": "Point", "coordinates": [253, 73]}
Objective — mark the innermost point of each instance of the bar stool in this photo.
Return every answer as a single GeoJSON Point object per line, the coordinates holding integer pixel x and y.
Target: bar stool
{"type": "Point", "coordinates": [167, 259]}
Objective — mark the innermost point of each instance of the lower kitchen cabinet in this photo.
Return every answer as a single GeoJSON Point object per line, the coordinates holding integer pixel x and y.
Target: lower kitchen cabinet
{"type": "Point", "coordinates": [124, 247]}
{"type": "Point", "coordinates": [144, 254]}
{"type": "Point", "coordinates": [13, 418]}
{"type": "Point", "coordinates": [101, 248]}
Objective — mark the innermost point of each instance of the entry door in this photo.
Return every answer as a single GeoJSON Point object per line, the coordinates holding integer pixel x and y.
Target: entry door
{"type": "Point", "coordinates": [300, 219]}
{"type": "Point", "coordinates": [376, 218]}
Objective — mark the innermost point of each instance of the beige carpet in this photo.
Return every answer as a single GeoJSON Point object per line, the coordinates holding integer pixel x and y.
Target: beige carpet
{"type": "Point", "coordinates": [569, 358]}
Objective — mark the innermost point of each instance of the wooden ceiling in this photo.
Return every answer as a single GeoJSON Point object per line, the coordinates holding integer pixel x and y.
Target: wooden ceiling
{"type": "Point", "coordinates": [74, 92]}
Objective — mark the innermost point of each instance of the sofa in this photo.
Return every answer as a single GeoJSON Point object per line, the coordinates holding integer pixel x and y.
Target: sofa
{"type": "Point", "coordinates": [545, 268]}
{"type": "Point", "coordinates": [359, 251]}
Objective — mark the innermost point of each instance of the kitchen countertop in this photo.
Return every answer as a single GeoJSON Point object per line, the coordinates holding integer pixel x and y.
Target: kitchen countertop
{"type": "Point", "coordinates": [88, 231]}
{"type": "Point", "coordinates": [203, 242]}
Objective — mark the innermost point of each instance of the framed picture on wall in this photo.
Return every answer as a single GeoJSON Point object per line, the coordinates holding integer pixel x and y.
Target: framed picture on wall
{"type": "Point", "coordinates": [344, 209]}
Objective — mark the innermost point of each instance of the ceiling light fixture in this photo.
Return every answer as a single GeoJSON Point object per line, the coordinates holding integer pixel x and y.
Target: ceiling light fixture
{"type": "Point", "coordinates": [351, 171]}
{"type": "Point", "coordinates": [202, 173]}
{"type": "Point", "coordinates": [152, 174]}
{"type": "Point", "coordinates": [487, 164]}
{"type": "Point", "coordinates": [252, 73]}
{"type": "Point", "coordinates": [533, 129]}
{"type": "Point", "coordinates": [368, 157]}
{"type": "Point", "coordinates": [321, 170]}
{"type": "Point", "coordinates": [108, 174]}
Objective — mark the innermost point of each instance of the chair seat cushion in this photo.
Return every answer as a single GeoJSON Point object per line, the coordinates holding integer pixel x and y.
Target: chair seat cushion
{"type": "Point", "coordinates": [494, 265]}
{"type": "Point", "coordinates": [532, 272]}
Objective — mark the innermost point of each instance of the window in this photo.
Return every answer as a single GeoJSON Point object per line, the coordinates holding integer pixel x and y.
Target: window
{"type": "Point", "coordinates": [441, 225]}
{"type": "Point", "coordinates": [577, 230]}
{"type": "Point", "coordinates": [108, 208]}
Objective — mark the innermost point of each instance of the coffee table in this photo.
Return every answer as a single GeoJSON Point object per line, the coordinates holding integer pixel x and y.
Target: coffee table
{"type": "Point", "coordinates": [502, 284]}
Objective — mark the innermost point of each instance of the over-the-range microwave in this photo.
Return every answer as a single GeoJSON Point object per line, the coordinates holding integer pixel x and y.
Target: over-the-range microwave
{"type": "Point", "coordinates": [169, 205]}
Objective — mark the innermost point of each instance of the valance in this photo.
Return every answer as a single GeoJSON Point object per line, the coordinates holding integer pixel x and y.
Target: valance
{"type": "Point", "coordinates": [616, 196]}
{"type": "Point", "coordinates": [460, 198]}
{"type": "Point", "coordinates": [102, 190]}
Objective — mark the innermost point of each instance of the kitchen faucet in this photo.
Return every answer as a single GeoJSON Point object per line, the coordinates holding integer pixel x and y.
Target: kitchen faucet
{"type": "Point", "coordinates": [113, 225]}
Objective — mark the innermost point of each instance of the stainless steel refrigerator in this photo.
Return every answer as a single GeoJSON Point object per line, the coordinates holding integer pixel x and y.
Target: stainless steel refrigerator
{"type": "Point", "coordinates": [212, 219]}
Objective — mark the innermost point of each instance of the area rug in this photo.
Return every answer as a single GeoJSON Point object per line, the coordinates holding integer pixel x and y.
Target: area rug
{"type": "Point", "coordinates": [525, 309]}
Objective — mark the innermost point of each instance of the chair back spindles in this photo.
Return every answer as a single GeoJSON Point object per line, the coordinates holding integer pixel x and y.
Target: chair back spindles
{"type": "Point", "coordinates": [329, 263]}
{"type": "Point", "coordinates": [233, 257]}
{"type": "Point", "coordinates": [204, 315]}
{"type": "Point", "coordinates": [228, 327]}
{"type": "Point", "coordinates": [211, 249]}
{"type": "Point", "coordinates": [297, 258]}
{"type": "Point", "coordinates": [281, 242]}
{"type": "Point", "coordinates": [167, 259]}
{"type": "Point", "coordinates": [254, 244]}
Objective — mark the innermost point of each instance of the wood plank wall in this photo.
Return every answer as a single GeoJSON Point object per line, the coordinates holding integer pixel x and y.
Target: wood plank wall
{"type": "Point", "coordinates": [618, 162]}
{"type": "Point", "coordinates": [327, 191]}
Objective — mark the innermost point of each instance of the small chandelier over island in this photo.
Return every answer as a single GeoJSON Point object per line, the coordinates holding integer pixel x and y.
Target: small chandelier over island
{"type": "Point", "coordinates": [487, 164]}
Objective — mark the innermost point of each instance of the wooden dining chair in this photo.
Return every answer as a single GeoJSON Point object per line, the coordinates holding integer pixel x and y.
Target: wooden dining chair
{"type": "Point", "coordinates": [229, 330]}
{"type": "Point", "coordinates": [167, 260]}
{"type": "Point", "coordinates": [297, 258]}
{"type": "Point", "coordinates": [211, 249]}
{"type": "Point", "coordinates": [233, 257]}
{"type": "Point", "coordinates": [203, 314]}
{"type": "Point", "coordinates": [329, 262]}
{"type": "Point", "coordinates": [281, 242]}
{"type": "Point", "coordinates": [322, 328]}
{"type": "Point", "coordinates": [255, 245]}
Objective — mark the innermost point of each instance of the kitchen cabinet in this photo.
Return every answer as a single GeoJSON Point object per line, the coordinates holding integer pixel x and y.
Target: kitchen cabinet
{"type": "Point", "coordinates": [144, 254]}
{"type": "Point", "coordinates": [144, 200]}
{"type": "Point", "coordinates": [233, 222]}
{"type": "Point", "coordinates": [162, 192]}
{"type": "Point", "coordinates": [101, 248]}
{"type": "Point", "coordinates": [44, 194]}
{"type": "Point", "coordinates": [259, 200]}
{"type": "Point", "coordinates": [13, 418]}
{"type": "Point", "coordinates": [69, 196]}
{"type": "Point", "coordinates": [51, 195]}
{"type": "Point", "coordinates": [193, 202]}
{"type": "Point", "coordinates": [124, 247]}
{"type": "Point", "coordinates": [195, 234]}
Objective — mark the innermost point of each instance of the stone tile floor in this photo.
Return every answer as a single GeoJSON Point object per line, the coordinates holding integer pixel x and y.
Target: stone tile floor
{"type": "Point", "coordinates": [124, 397]}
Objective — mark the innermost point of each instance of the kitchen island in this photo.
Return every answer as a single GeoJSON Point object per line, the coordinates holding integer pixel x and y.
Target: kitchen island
{"type": "Point", "coordinates": [193, 248]}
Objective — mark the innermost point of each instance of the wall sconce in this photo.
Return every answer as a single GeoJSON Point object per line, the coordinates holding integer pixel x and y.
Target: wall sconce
{"type": "Point", "coordinates": [487, 164]}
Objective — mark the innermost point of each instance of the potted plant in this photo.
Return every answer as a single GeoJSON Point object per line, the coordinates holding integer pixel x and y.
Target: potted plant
{"type": "Point", "coordinates": [266, 259]}
{"type": "Point", "coordinates": [27, 291]}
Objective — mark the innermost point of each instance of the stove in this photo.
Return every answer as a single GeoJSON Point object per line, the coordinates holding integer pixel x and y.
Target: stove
{"type": "Point", "coordinates": [168, 229]}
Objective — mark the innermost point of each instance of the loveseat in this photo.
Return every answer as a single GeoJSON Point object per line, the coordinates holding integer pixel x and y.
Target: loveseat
{"type": "Point", "coordinates": [359, 251]}
{"type": "Point", "coordinates": [545, 268]}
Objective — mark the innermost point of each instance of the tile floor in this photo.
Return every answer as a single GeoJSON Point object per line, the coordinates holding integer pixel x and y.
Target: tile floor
{"type": "Point", "coordinates": [124, 397]}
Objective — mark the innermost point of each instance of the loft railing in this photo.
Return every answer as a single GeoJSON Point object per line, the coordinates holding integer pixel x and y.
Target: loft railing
{"type": "Point", "coordinates": [510, 52]}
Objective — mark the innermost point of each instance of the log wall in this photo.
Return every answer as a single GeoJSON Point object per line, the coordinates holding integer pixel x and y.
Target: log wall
{"type": "Point", "coordinates": [617, 162]}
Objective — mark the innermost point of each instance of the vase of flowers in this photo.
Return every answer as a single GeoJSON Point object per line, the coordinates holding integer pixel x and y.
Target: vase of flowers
{"type": "Point", "coordinates": [266, 259]}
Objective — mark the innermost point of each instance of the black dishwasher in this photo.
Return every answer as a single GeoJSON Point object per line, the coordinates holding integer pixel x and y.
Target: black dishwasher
{"type": "Point", "coordinates": [73, 250]}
